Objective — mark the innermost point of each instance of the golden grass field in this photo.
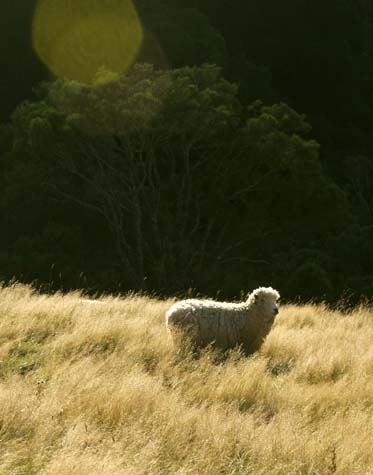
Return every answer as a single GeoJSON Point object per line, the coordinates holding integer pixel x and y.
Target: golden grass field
{"type": "Point", "coordinates": [99, 389]}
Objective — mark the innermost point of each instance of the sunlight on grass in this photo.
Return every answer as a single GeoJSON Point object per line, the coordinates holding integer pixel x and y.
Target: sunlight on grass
{"type": "Point", "coordinates": [100, 389]}
{"type": "Point", "coordinates": [77, 38]}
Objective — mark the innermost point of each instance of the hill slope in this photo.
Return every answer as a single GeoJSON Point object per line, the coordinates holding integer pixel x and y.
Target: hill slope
{"type": "Point", "coordinates": [98, 389]}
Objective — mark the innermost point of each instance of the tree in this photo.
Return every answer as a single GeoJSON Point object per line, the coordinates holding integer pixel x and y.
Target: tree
{"type": "Point", "coordinates": [163, 179]}
{"type": "Point", "coordinates": [141, 155]}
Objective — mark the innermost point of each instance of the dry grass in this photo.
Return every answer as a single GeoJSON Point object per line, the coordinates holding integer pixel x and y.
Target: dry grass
{"type": "Point", "coordinates": [98, 389]}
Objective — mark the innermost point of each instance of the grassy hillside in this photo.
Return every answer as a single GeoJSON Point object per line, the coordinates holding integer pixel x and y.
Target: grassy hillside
{"type": "Point", "coordinates": [98, 389]}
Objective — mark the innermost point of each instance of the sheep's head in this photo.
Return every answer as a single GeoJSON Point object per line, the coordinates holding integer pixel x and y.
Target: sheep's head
{"type": "Point", "coordinates": [266, 302]}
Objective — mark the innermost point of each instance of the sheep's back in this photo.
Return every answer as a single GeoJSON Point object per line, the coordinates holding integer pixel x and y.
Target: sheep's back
{"type": "Point", "coordinates": [206, 321]}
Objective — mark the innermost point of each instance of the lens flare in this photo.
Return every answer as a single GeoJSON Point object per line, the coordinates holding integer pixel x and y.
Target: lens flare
{"type": "Point", "coordinates": [77, 38]}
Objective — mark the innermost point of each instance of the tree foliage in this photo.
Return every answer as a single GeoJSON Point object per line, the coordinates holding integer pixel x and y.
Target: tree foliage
{"type": "Point", "coordinates": [243, 173]}
{"type": "Point", "coordinates": [162, 180]}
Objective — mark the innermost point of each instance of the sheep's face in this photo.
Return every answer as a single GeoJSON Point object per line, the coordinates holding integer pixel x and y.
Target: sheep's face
{"type": "Point", "coordinates": [267, 303]}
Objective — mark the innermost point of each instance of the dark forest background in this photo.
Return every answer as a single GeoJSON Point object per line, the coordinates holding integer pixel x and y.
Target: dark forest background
{"type": "Point", "coordinates": [237, 152]}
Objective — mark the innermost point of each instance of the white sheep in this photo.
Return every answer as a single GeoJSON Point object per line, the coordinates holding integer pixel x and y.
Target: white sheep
{"type": "Point", "coordinates": [225, 325]}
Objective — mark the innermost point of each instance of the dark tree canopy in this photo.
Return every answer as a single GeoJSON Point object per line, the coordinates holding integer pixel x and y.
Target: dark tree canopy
{"type": "Point", "coordinates": [237, 151]}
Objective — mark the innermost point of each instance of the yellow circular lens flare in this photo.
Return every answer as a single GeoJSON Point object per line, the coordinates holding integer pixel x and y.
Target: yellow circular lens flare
{"type": "Point", "coordinates": [77, 38]}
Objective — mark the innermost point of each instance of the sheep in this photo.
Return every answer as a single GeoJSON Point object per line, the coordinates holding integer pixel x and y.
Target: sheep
{"type": "Point", "coordinates": [222, 324]}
